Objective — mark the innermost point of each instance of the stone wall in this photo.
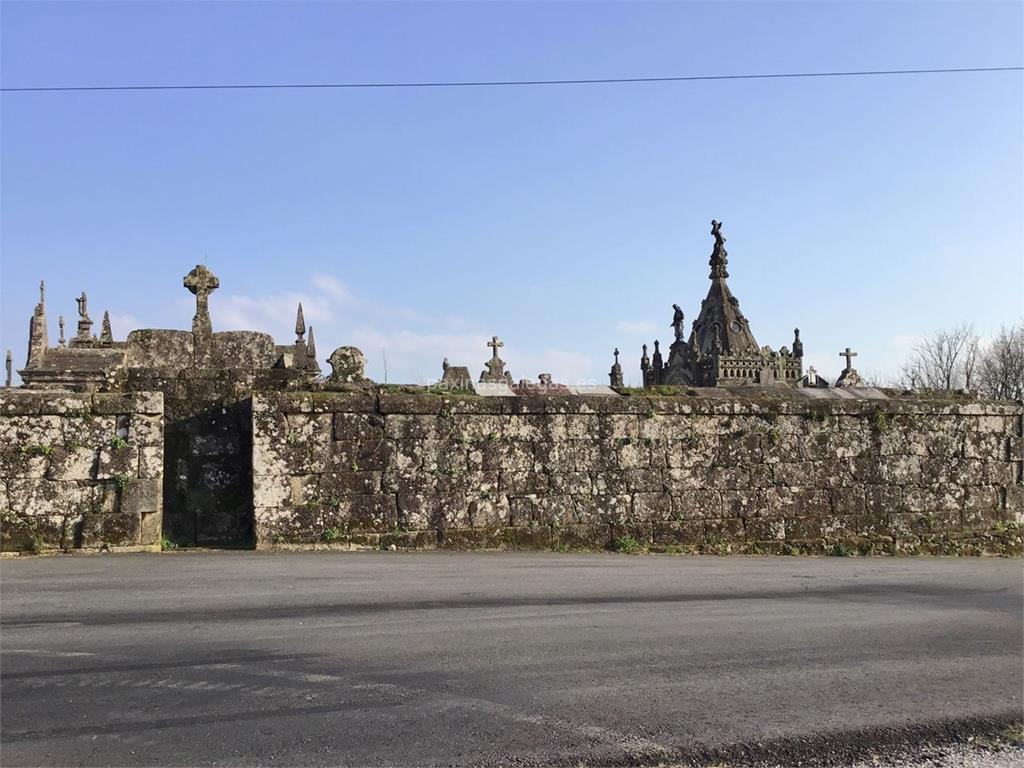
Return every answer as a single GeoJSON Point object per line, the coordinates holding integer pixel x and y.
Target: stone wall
{"type": "Point", "coordinates": [712, 471]}
{"type": "Point", "coordinates": [80, 470]}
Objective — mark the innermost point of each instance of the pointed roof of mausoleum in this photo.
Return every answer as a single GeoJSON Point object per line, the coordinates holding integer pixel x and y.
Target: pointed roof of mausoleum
{"type": "Point", "coordinates": [721, 326]}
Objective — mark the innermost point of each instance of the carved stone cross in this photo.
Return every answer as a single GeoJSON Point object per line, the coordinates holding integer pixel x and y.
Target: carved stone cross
{"type": "Point", "coordinates": [616, 355]}
{"type": "Point", "coordinates": [202, 282]}
{"type": "Point", "coordinates": [494, 343]}
{"type": "Point", "coordinates": [848, 354]}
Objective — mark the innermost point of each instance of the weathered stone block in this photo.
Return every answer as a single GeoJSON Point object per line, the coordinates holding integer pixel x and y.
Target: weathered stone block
{"type": "Point", "coordinates": [114, 462]}
{"type": "Point", "coordinates": [336, 484]}
{"type": "Point", "coordinates": [141, 497]}
{"type": "Point", "coordinates": [651, 507]}
{"type": "Point", "coordinates": [697, 503]}
{"type": "Point", "coordinates": [533, 537]}
{"type": "Point", "coordinates": [582, 536]}
{"type": "Point", "coordinates": [764, 529]}
{"type": "Point", "coordinates": [797, 527]}
{"type": "Point", "coordinates": [728, 530]}
{"type": "Point", "coordinates": [932, 499]}
{"type": "Point", "coordinates": [554, 510]}
{"type": "Point", "coordinates": [271, 490]}
{"type": "Point", "coordinates": [490, 511]}
{"type": "Point", "coordinates": [848, 501]}
{"type": "Point", "coordinates": [151, 462]}
{"type": "Point", "coordinates": [684, 533]}
{"type": "Point", "coordinates": [418, 511]}
{"type": "Point", "coordinates": [744, 504]}
{"type": "Point", "coordinates": [618, 426]}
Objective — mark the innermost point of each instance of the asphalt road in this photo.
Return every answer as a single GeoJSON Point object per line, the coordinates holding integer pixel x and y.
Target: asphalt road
{"type": "Point", "coordinates": [243, 658]}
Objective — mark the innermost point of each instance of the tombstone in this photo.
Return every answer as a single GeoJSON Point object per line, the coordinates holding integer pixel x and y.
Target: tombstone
{"type": "Point", "coordinates": [615, 374]}
{"type": "Point", "coordinates": [812, 380]}
{"type": "Point", "coordinates": [348, 366]}
{"type": "Point", "coordinates": [495, 373]}
{"type": "Point", "coordinates": [456, 377]}
{"type": "Point", "coordinates": [849, 377]}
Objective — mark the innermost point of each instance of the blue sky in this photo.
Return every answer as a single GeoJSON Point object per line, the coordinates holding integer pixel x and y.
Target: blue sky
{"type": "Point", "coordinates": [567, 220]}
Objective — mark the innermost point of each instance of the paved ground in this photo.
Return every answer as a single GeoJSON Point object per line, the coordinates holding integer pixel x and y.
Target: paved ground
{"type": "Point", "coordinates": [484, 659]}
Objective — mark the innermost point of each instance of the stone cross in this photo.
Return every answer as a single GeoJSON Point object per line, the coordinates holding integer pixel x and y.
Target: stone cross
{"type": "Point", "coordinates": [848, 354]}
{"type": "Point", "coordinates": [495, 372]}
{"type": "Point", "coordinates": [494, 343]}
{"type": "Point", "coordinates": [202, 282]}
{"type": "Point", "coordinates": [616, 355]}
{"type": "Point", "coordinates": [10, 367]}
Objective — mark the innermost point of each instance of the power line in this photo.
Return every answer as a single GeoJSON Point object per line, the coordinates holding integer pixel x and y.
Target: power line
{"type": "Point", "coordinates": [494, 83]}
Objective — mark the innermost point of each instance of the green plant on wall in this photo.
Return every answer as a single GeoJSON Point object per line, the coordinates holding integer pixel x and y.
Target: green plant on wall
{"type": "Point", "coordinates": [36, 450]}
{"type": "Point", "coordinates": [118, 443]}
{"type": "Point", "coordinates": [627, 545]}
{"type": "Point", "coordinates": [880, 421]}
{"type": "Point", "coordinates": [331, 535]}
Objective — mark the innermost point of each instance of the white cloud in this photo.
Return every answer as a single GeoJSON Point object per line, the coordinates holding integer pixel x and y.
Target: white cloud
{"type": "Point", "coordinates": [120, 326]}
{"type": "Point", "coordinates": [273, 314]}
{"type": "Point", "coordinates": [333, 287]}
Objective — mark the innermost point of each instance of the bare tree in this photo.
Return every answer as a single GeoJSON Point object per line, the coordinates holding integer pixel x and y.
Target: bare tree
{"type": "Point", "coordinates": [946, 360]}
{"type": "Point", "coordinates": [1001, 368]}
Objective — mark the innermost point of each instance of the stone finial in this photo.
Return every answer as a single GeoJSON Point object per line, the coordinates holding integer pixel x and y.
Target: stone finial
{"type": "Point", "coordinates": [545, 378]}
{"type": "Point", "coordinates": [61, 341]}
{"type": "Point", "coordinates": [719, 256]}
{"type": "Point", "coordinates": [202, 282]}
{"type": "Point", "coordinates": [645, 361]}
{"type": "Point", "coordinates": [9, 364]}
{"type": "Point", "coordinates": [106, 335]}
{"type": "Point", "coordinates": [495, 373]}
{"type": "Point", "coordinates": [84, 334]}
{"type": "Point", "coordinates": [615, 374]}
{"type": "Point", "coordinates": [798, 346]}
{"type": "Point", "coordinates": [849, 377]}
{"type": "Point", "coordinates": [348, 366]}
{"type": "Point", "coordinates": [311, 363]}
{"type": "Point", "coordinates": [300, 325]}
{"type": "Point", "coordinates": [38, 338]}
{"type": "Point", "coordinates": [444, 366]}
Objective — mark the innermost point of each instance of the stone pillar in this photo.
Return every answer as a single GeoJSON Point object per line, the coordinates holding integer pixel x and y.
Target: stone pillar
{"type": "Point", "coordinates": [37, 336]}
